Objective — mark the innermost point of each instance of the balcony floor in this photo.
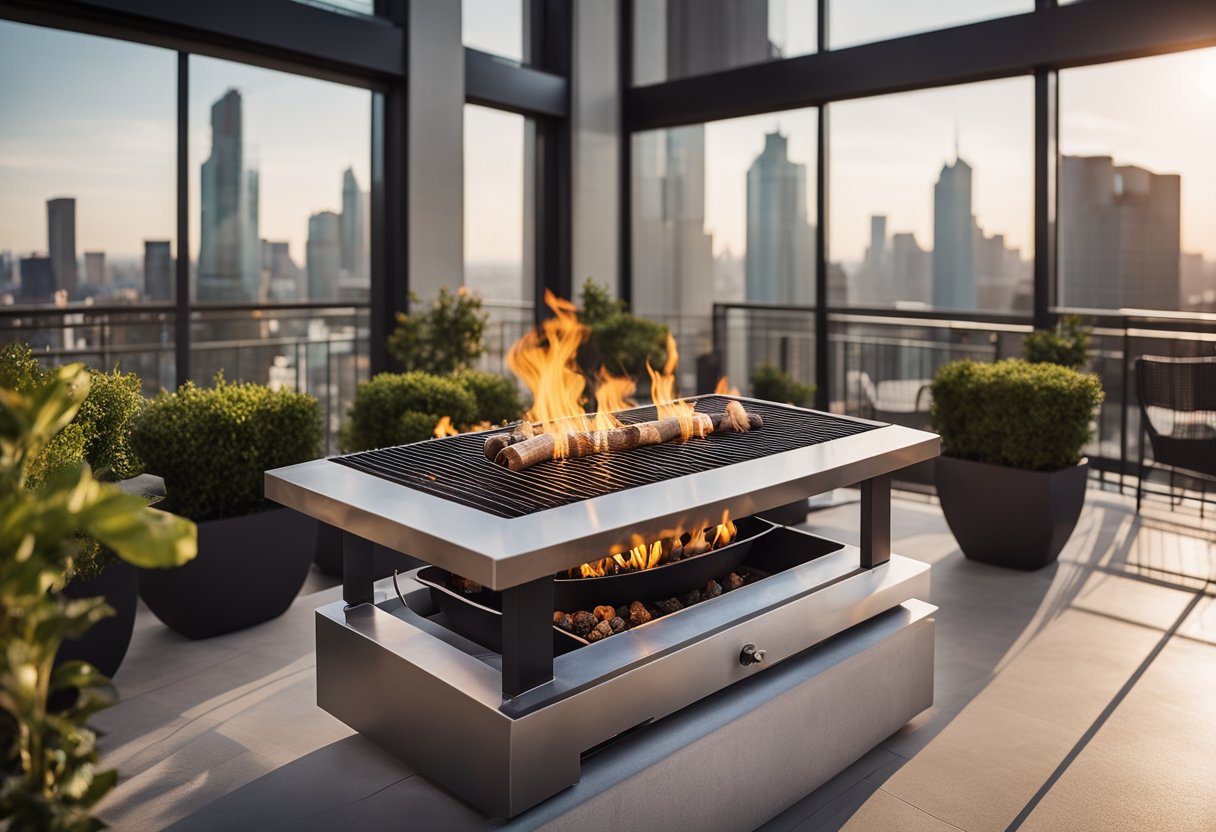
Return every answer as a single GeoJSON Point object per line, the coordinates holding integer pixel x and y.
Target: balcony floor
{"type": "Point", "coordinates": [1082, 696]}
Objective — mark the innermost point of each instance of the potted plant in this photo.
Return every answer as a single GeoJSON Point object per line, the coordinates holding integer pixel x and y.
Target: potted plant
{"type": "Point", "coordinates": [398, 408]}
{"type": "Point", "coordinates": [617, 340]}
{"type": "Point", "coordinates": [1011, 477]}
{"type": "Point", "coordinates": [447, 336]}
{"type": "Point", "coordinates": [212, 447]}
{"type": "Point", "coordinates": [99, 434]}
{"type": "Point", "coordinates": [1066, 345]}
{"type": "Point", "coordinates": [49, 774]}
{"type": "Point", "coordinates": [773, 384]}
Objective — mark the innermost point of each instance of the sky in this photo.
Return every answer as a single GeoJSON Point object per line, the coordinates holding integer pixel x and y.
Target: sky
{"type": "Point", "coordinates": [92, 118]}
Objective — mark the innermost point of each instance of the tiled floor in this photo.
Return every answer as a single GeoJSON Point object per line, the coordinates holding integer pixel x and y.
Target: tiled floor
{"type": "Point", "coordinates": [1079, 697]}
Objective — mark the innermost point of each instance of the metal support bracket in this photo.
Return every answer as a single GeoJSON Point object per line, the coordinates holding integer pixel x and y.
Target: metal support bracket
{"type": "Point", "coordinates": [358, 572]}
{"type": "Point", "coordinates": [527, 636]}
{"type": "Point", "coordinates": [876, 521]}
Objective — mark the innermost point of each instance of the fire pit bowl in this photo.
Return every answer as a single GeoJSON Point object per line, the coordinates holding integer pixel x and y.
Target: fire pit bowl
{"type": "Point", "coordinates": [666, 581]}
{"type": "Point", "coordinates": [478, 617]}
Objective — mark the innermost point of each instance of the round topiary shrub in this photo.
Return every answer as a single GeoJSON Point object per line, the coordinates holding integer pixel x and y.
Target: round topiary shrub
{"type": "Point", "coordinates": [213, 445]}
{"type": "Point", "coordinates": [1014, 413]}
{"type": "Point", "coordinates": [398, 408]}
{"type": "Point", "coordinates": [771, 383]}
{"type": "Point", "coordinates": [497, 398]}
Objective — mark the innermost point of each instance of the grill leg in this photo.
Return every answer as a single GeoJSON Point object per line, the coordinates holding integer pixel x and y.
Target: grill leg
{"type": "Point", "coordinates": [358, 573]}
{"type": "Point", "coordinates": [527, 636]}
{"type": "Point", "coordinates": [876, 521]}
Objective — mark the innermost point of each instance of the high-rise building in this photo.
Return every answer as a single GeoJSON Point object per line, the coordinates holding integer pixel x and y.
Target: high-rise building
{"type": "Point", "coordinates": [354, 227]}
{"type": "Point", "coordinates": [158, 271]}
{"type": "Point", "coordinates": [672, 253]}
{"type": "Point", "coordinates": [953, 238]}
{"type": "Point", "coordinates": [37, 280]}
{"type": "Point", "coordinates": [780, 248]}
{"type": "Point", "coordinates": [61, 243]}
{"type": "Point", "coordinates": [911, 269]}
{"type": "Point", "coordinates": [229, 261]}
{"type": "Point", "coordinates": [1120, 235]}
{"type": "Point", "coordinates": [6, 268]}
{"type": "Point", "coordinates": [95, 268]}
{"type": "Point", "coordinates": [283, 275]}
{"type": "Point", "coordinates": [324, 256]}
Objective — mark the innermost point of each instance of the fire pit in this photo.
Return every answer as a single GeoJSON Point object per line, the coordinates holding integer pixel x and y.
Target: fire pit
{"type": "Point", "coordinates": [506, 699]}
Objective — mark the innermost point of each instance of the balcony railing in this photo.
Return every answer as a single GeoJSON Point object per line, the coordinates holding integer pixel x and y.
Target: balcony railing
{"type": "Point", "coordinates": [882, 361]}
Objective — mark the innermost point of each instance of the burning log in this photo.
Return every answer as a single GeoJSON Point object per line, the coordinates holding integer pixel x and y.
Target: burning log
{"type": "Point", "coordinates": [518, 433]}
{"type": "Point", "coordinates": [530, 451]}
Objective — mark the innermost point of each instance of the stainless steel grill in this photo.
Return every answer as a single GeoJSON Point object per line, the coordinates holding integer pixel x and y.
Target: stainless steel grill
{"type": "Point", "coordinates": [507, 728]}
{"type": "Point", "coordinates": [455, 469]}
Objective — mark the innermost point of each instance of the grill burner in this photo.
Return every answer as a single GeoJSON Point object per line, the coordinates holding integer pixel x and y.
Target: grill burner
{"type": "Point", "coordinates": [456, 469]}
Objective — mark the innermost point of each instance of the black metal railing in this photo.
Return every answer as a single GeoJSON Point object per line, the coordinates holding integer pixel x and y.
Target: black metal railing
{"type": "Point", "coordinates": [882, 361]}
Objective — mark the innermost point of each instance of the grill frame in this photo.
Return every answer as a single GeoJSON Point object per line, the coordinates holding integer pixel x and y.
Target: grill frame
{"type": "Point", "coordinates": [456, 469]}
{"type": "Point", "coordinates": [506, 552]}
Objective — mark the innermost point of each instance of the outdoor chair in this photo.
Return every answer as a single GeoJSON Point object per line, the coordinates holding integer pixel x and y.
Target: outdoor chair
{"type": "Point", "coordinates": [1178, 412]}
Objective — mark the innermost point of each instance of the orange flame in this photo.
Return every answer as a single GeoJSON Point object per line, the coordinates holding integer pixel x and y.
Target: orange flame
{"type": "Point", "coordinates": [725, 388]}
{"type": "Point", "coordinates": [611, 394]}
{"type": "Point", "coordinates": [663, 393]}
{"type": "Point", "coordinates": [444, 428]}
{"type": "Point", "coordinates": [545, 362]}
{"type": "Point", "coordinates": [670, 546]}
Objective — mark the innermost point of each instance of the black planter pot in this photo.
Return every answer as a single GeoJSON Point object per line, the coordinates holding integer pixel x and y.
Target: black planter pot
{"type": "Point", "coordinates": [1008, 516]}
{"type": "Point", "coordinates": [105, 644]}
{"type": "Point", "coordinates": [248, 570]}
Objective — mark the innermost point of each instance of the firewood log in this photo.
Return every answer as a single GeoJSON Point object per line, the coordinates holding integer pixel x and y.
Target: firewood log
{"type": "Point", "coordinates": [543, 447]}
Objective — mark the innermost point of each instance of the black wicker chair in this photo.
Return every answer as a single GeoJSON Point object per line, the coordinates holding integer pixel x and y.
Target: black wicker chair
{"type": "Point", "coordinates": [1178, 412]}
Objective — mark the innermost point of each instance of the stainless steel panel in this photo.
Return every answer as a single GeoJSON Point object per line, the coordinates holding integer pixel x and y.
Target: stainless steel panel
{"type": "Point", "coordinates": [503, 552]}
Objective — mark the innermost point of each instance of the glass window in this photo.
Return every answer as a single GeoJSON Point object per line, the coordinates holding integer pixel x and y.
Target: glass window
{"type": "Point", "coordinates": [725, 211]}
{"type": "Point", "coordinates": [498, 26]}
{"type": "Point", "coordinates": [279, 169]}
{"type": "Point", "coordinates": [1137, 184]}
{"type": "Point", "coordinates": [852, 22]}
{"type": "Point", "coordinates": [679, 38]}
{"type": "Point", "coordinates": [87, 168]}
{"type": "Point", "coordinates": [931, 197]}
{"type": "Point", "coordinates": [499, 252]}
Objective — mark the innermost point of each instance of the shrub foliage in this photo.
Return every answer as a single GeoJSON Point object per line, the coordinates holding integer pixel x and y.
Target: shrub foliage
{"type": "Point", "coordinates": [212, 445]}
{"type": "Point", "coordinates": [445, 337]}
{"type": "Point", "coordinates": [50, 774]}
{"type": "Point", "coordinates": [773, 384]}
{"type": "Point", "coordinates": [619, 340]}
{"type": "Point", "coordinates": [497, 398]}
{"type": "Point", "coordinates": [1066, 345]}
{"type": "Point", "coordinates": [397, 408]}
{"type": "Point", "coordinates": [100, 433]}
{"type": "Point", "coordinates": [1014, 413]}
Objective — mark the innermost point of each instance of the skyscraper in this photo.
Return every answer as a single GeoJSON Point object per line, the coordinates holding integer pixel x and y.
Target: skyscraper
{"type": "Point", "coordinates": [282, 272]}
{"type": "Point", "coordinates": [780, 251]}
{"type": "Point", "coordinates": [672, 253]}
{"type": "Point", "coordinates": [95, 268]}
{"type": "Point", "coordinates": [354, 229]}
{"type": "Point", "coordinates": [953, 238]}
{"type": "Point", "coordinates": [1120, 235]}
{"type": "Point", "coordinates": [324, 257]}
{"type": "Point", "coordinates": [61, 243]}
{"type": "Point", "coordinates": [158, 271]}
{"type": "Point", "coordinates": [37, 280]}
{"type": "Point", "coordinates": [229, 261]}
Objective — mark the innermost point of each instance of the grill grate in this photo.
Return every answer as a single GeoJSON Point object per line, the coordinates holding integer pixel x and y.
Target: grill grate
{"type": "Point", "coordinates": [455, 468]}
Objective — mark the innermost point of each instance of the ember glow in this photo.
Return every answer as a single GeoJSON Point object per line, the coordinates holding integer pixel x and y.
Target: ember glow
{"type": "Point", "coordinates": [668, 549]}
